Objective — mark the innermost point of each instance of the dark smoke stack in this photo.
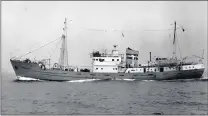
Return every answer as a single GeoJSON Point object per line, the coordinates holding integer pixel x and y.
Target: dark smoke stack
{"type": "Point", "coordinates": [150, 56]}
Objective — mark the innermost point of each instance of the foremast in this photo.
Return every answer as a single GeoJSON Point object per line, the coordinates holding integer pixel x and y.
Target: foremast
{"type": "Point", "coordinates": [63, 61]}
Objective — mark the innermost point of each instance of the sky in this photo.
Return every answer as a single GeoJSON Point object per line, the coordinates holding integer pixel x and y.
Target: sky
{"type": "Point", "coordinates": [145, 24]}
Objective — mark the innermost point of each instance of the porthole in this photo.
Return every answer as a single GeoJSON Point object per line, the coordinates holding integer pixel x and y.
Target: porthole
{"type": "Point", "coordinates": [96, 59]}
{"type": "Point", "coordinates": [117, 59]}
{"type": "Point", "coordinates": [112, 59]}
{"type": "Point", "coordinates": [101, 68]}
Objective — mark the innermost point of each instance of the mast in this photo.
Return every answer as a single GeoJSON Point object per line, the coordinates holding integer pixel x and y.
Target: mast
{"type": "Point", "coordinates": [174, 41]}
{"type": "Point", "coordinates": [63, 61]}
{"type": "Point", "coordinates": [66, 42]}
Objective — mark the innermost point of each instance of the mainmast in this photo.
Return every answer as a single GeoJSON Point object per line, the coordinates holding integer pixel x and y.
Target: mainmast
{"type": "Point", "coordinates": [63, 61]}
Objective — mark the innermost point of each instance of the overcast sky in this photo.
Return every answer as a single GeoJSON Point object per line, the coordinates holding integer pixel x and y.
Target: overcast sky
{"type": "Point", "coordinates": [29, 25]}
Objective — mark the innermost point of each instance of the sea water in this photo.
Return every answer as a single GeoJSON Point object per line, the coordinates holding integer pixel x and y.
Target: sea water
{"type": "Point", "coordinates": [94, 97]}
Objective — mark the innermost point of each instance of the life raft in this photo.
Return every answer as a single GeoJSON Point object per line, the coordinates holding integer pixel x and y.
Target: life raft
{"type": "Point", "coordinates": [55, 65]}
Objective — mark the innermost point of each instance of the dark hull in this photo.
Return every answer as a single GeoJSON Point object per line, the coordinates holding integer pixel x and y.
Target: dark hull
{"type": "Point", "coordinates": [32, 70]}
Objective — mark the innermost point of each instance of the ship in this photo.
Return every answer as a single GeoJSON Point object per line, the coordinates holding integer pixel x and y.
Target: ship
{"type": "Point", "coordinates": [110, 66]}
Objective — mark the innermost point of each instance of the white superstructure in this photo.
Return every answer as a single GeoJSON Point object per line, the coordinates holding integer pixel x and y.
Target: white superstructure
{"type": "Point", "coordinates": [108, 63]}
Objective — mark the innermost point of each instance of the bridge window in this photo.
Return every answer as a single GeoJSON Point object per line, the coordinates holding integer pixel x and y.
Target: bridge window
{"type": "Point", "coordinates": [129, 57]}
{"type": "Point", "coordinates": [101, 60]}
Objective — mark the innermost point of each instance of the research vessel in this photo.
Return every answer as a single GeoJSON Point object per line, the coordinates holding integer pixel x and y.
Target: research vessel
{"type": "Point", "coordinates": [110, 66]}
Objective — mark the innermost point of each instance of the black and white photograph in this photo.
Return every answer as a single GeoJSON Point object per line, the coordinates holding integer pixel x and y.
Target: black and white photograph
{"type": "Point", "coordinates": [104, 58]}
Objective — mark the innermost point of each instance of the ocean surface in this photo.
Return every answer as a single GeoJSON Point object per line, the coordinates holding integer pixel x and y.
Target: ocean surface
{"type": "Point", "coordinates": [27, 96]}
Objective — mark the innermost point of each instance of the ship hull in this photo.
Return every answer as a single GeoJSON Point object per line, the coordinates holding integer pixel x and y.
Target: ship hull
{"type": "Point", "coordinates": [32, 70]}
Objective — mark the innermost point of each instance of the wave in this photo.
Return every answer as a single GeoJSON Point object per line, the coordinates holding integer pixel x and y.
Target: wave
{"type": "Point", "coordinates": [26, 79]}
{"type": "Point", "coordinates": [204, 79]}
{"type": "Point", "coordinates": [186, 80]}
{"type": "Point", "coordinates": [148, 80]}
{"type": "Point", "coordinates": [85, 80]}
{"type": "Point", "coordinates": [128, 79]}
{"type": "Point", "coordinates": [134, 80]}
{"type": "Point", "coordinates": [124, 79]}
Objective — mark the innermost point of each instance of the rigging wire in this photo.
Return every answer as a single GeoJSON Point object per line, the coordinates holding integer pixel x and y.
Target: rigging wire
{"type": "Point", "coordinates": [54, 49]}
{"type": "Point", "coordinates": [158, 30]}
{"type": "Point", "coordinates": [38, 48]}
